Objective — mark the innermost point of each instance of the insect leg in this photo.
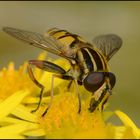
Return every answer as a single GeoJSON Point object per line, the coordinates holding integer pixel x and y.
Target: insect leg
{"type": "Point", "coordinates": [62, 76]}
{"type": "Point", "coordinates": [52, 87]}
{"type": "Point", "coordinates": [78, 93]}
{"type": "Point", "coordinates": [37, 83]}
{"type": "Point", "coordinates": [44, 65]}
{"type": "Point", "coordinates": [69, 85]}
{"type": "Point", "coordinates": [108, 93]}
{"type": "Point", "coordinates": [52, 84]}
{"type": "Point", "coordinates": [102, 99]}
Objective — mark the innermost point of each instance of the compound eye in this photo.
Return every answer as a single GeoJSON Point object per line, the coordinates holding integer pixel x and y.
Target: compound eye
{"type": "Point", "coordinates": [112, 79]}
{"type": "Point", "coordinates": [94, 81]}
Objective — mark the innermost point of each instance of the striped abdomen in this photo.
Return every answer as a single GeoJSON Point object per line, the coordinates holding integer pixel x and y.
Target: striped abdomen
{"type": "Point", "coordinates": [90, 60]}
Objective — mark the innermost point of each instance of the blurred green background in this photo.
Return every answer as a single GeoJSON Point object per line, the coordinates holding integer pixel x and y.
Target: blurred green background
{"type": "Point", "coordinates": [88, 19]}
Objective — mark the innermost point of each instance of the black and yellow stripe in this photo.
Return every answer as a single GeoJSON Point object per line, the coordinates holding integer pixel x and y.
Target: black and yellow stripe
{"type": "Point", "coordinates": [66, 37]}
{"type": "Point", "coordinates": [87, 58]}
{"type": "Point", "coordinates": [90, 60]}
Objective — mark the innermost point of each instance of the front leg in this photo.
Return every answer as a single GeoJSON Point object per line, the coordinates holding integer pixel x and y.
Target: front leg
{"type": "Point", "coordinates": [47, 66]}
{"type": "Point", "coordinates": [79, 97]}
{"type": "Point", "coordinates": [59, 72]}
{"type": "Point", "coordinates": [31, 75]}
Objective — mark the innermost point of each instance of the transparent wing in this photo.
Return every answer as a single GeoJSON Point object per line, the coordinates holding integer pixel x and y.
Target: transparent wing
{"type": "Point", "coordinates": [46, 43]}
{"type": "Point", "coordinates": [109, 44]}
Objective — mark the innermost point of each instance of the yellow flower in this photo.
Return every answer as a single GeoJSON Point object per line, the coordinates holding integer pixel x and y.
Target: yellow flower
{"type": "Point", "coordinates": [19, 96]}
{"type": "Point", "coordinates": [12, 80]}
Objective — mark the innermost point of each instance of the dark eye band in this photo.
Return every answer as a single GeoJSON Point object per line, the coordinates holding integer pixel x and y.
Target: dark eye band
{"type": "Point", "coordinates": [95, 80]}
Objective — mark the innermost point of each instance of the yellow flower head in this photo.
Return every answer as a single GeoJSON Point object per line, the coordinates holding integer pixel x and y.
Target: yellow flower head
{"type": "Point", "coordinates": [19, 96]}
{"type": "Point", "coordinates": [12, 80]}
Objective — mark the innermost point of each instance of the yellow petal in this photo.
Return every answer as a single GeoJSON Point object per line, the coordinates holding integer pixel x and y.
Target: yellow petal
{"type": "Point", "coordinates": [35, 100]}
{"type": "Point", "coordinates": [10, 120]}
{"type": "Point", "coordinates": [128, 122]}
{"type": "Point", "coordinates": [16, 129]}
{"type": "Point", "coordinates": [35, 133]}
{"type": "Point", "coordinates": [119, 131]}
{"type": "Point", "coordinates": [37, 71]}
{"type": "Point", "coordinates": [12, 137]}
{"type": "Point", "coordinates": [42, 55]}
{"type": "Point", "coordinates": [46, 80]}
{"type": "Point", "coordinates": [24, 113]}
{"type": "Point", "coordinates": [11, 102]}
{"type": "Point", "coordinates": [11, 66]}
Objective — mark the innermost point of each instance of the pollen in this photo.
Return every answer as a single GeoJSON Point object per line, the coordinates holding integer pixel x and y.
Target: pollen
{"type": "Point", "coordinates": [12, 80]}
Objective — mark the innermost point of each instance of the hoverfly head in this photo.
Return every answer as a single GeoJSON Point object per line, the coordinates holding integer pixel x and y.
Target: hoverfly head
{"type": "Point", "coordinates": [95, 80]}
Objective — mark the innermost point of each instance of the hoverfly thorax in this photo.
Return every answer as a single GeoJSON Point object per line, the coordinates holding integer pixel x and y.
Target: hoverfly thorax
{"type": "Point", "coordinates": [68, 43]}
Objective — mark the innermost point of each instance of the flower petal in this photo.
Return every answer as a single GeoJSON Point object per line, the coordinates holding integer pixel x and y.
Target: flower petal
{"type": "Point", "coordinates": [11, 102]}
{"type": "Point", "coordinates": [35, 100]}
{"type": "Point", "coordinates": [35, 133]}
{"type": "Point", "coordinates": [119, 131]}
{"type": "Point", "coordinates": [16, 129]}
{"type": "Point", "coordinates": [24, 113]}
{"type": "Point", "coordinates": [12, 136]}
{"type": "Point", "coordinates": [128, 122]}
{"type": "Point", "coordinates": [10, 120]}
{"type": "Point", "coordinates": [37, 71]}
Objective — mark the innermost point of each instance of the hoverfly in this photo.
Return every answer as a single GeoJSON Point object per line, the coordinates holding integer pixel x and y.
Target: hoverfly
{"type": "Point", "coordinates": [89, 62]}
